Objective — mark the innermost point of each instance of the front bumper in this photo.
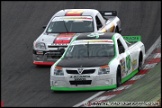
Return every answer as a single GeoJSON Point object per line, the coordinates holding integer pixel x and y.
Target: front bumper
{"type": "Point", "coordinates": [45, 57]}
{"type": "Point", "coordinates": [92, 82]}
{"type": "Point", "coordinates": [55, 88]}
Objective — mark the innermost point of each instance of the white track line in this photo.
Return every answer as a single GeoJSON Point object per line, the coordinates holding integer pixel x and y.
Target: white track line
{"type": "Point", "coordinates": [90, 98]}
{"type": "Point", "coordinates": [153, 46]}
{"type": "Point", "coordinates": [149, 66]}
{"type": "Point", "coordinates": [101, 92]}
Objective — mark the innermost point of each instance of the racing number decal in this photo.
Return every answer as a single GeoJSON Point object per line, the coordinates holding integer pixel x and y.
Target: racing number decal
{"type": "Point", "coordinates": [128, 62]}
{"type": "Point", "coordinates": [95, 35]}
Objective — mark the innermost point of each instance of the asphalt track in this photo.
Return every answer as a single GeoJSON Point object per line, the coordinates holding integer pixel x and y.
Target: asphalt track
{"type": "Point", "coordinates": [22, 83]}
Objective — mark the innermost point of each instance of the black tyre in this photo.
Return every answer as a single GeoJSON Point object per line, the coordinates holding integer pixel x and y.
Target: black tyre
{"type": "Point", "coordinates": [118, 77]}
{"type": "Point", "coordinates": [140, 62]}
{"type": "Point", "coordinates": [116, 30]}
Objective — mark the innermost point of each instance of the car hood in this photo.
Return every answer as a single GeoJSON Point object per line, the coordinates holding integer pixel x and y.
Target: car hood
{"type": "Point", "coordinates": [84, 62]}
{"type": "Point", "coordinates": [56, 38]}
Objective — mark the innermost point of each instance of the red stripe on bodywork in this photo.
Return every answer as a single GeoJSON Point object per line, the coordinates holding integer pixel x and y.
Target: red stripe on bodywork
{"type": "Point", "coordinates": [43, 63]}
{"type": "Point", "coordinates": [63, 38]}
{"type": "Point", "coordinates": [73, 14]}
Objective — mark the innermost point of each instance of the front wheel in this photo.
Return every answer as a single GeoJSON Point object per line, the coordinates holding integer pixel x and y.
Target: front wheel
{"type": "Point", "coordinates": [140, 64]}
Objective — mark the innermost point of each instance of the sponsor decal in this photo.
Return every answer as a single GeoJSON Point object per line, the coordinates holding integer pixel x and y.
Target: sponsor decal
{"type": "Point", "coordinates": [122, 62]}
{"type": "Point", "coordinates": [132, 38]}
{"type": "Point", "coordinates": [134, 64]}
{"type": "Point", "coordinates": [95, 34]}
{"type": "Point", "coordinates": [79, 77]}
{"type": "Point", "coordinates": [64, 38]}
{"type": "Point", "coordinates": [128, 62]}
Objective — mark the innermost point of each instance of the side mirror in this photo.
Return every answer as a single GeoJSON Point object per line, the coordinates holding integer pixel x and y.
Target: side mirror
{"type": "Point", "coordinates": [44, 26]}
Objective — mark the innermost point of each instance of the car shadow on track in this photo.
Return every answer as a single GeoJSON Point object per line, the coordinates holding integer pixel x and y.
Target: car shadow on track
{"type": "Point", "coordinates": [89, 91]}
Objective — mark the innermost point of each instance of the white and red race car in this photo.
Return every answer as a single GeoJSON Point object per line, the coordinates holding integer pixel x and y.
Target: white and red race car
{"type": "Point", "coordinates": [66, 24]}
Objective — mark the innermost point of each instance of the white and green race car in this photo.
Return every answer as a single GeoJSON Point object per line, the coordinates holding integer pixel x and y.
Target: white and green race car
{"type": "Point", "coordinates": [97, 61]}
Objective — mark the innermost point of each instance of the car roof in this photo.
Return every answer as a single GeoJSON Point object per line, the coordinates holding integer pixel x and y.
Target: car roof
{"type": "Point", "coordinates": [97, 35]}
{"type": "Point", "coordinates": [77, 12]}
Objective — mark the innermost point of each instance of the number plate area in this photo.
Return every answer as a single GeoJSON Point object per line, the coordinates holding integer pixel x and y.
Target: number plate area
{"type": "Point", "coordinates": [79, 77]}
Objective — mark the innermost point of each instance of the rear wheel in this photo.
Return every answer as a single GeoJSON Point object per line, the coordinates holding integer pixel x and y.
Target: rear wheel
{"type": "Point", "coordinates": [118, 77]}
{"type": "Point", "coordinates": [117, 30]}
{"type": "Point", "coordinates": [140, 62]}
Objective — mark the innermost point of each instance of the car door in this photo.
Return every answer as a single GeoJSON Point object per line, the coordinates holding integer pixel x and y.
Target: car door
{"type": "Point", "coordinates": [125, 59]}
{"type": "Point", "coordinates": [134, 53]}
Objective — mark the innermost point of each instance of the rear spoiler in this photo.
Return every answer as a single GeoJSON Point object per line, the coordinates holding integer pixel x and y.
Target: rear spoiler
{"type": "Point", "coordinates": [108, 14]}
{"type": "Point", "coordinates": [132, 39]}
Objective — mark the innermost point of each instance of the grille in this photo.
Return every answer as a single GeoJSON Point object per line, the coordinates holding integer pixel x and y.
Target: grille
{"type": "Point", "coordinates": [53, 55]}
{"type": "Point", "coordinates": [85, 82]}
{"type": "Point", "coordinates": [89, 71]}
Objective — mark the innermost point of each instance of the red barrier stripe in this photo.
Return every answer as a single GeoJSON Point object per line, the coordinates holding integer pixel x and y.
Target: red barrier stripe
{"type": "Point", "coordinates": [158, 50]}
{"type": "Point", "coordinates": [154, 60]}
{"type": "Point", "coordinates": [130, 82]}
{"type": "Point", "coordinates": [142, 72]}
{"type": "Point", "coordinates": [112, 92]}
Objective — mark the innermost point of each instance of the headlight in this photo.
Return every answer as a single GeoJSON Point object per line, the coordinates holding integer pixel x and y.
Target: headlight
{"type": "Point", "coordinates": [40, 46]}
{"type": "Point", "coordinates": [58, 71]}
{"type": "Point", "coordinates": [104, 70]}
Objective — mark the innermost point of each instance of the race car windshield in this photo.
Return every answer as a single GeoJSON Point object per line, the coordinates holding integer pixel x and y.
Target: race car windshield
{"type": "Point", "coordinates": [70, 26]}
{"type": "Point", "coordinates": [90, 50]}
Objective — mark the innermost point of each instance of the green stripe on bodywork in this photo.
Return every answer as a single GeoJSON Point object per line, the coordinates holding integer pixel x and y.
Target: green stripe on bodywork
{"type": "Point", "coordinates": [129, 76]}
{"type": "Point", "coordinates": [83, 88]}
{"type": "Point", "coordinates": [132, 38]}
